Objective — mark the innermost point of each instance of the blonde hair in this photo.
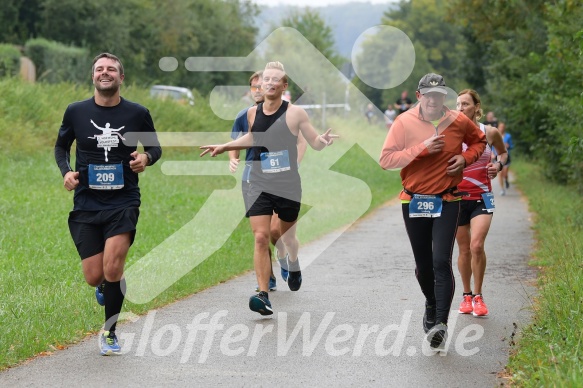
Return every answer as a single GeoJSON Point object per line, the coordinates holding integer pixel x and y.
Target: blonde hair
{"type": "Point", "coordinates": [476, 98]}
{"type": "Point", "coordinates": [277, 66]}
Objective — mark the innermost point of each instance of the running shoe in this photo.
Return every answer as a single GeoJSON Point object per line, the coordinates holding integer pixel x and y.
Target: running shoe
{"type": "Point", "coordinates": [480, 309]}
{"type": "Point", "coordinates": [507, 183]}
{"type": "Point", "coordinates": [283, 265]}
{"type": "Point", "coordinates": [437, 336]}
{"type": "Point", "coordinates": [109, 344]}
{"type": "Point", "coordinates": [272, 285]}
{"type": "Point", "coordinates": [260, 303]}
{"type": "Point", "coordinates": [429, 317]}
{"type": "Point", "coordinates": [502, 192]}
{"type": "Point", "coordinates": [284, 274]}
{"type": "Point", "coordinates": [294, 280]}
{"type": "Point", "coordinates": [99, 294]}
{"type": "Point", "coordinates": [466, 305]}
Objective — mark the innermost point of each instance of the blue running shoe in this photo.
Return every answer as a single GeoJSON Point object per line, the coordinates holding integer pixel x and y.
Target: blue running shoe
{"type": "Point", "coordinates": [99, 294]}
{"type": "Point", "coordinates": [272, 285]}
{"type": "Point", "coordinates": [260, 303]}
{"type": "Point", "coordinates": [109, 344]}
{"type": "Point", "coordinates": [283, 265]}
{"type": "Point", "coordinates": [284, 274]}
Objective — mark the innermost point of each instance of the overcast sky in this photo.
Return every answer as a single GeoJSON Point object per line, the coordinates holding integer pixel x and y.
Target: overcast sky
{"type": "Point", "coordinates": [318, 3]}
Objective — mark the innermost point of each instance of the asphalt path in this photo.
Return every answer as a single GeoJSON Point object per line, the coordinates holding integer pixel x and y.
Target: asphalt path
{"type": "Point", "coordinates": [355, 322]}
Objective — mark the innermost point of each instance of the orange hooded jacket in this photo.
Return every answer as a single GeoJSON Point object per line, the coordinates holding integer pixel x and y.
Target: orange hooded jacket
{"type": "Point", "coordinates": [421, 172]}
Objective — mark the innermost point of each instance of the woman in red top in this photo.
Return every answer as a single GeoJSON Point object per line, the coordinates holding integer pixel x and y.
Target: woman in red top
{"type": "Point", "coordinates": [477, 207]}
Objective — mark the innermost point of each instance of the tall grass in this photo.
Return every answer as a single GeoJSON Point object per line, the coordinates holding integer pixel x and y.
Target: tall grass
{"type": "Point", "coordinates": [550, 351]}
{"type": "Point", "coordinates": [45, 303]}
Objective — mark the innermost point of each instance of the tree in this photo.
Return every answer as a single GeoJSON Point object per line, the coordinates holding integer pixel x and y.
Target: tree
{"type": "Point", "coordinates": [141, 32]}
{"type": "Point", "coordinates": [304, 37]}
{"type": "Point", "coordinates": [311, 25]}
{"type": "Point", "coordinates": [19, 20]}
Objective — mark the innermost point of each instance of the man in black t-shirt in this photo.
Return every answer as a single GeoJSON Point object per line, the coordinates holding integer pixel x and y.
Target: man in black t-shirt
{"type": "Point", "coordinates": [106, 129]}
{"type": "Point", "coordinates": [403, 103]}
{"type": "Point", "coordinates": [491, 120]}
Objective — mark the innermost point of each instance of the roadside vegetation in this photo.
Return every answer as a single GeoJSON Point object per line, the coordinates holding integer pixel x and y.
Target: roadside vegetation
{"type": "Point", "coordinates": [550, 349]}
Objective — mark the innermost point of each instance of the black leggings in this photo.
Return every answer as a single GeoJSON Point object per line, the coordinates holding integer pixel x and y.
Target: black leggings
{"type": "Point", "coordinates": [432, 240]}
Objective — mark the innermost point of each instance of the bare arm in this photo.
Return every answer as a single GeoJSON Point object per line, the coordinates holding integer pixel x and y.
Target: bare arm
{"type": "Point", "coordinates": [300, 118]}
{"type": "Point", "coordinates": [302, 146]}
{"type": "Point", "coordinates": [241, 143]}
{"type": "Point", "coordinates": [494, 138]}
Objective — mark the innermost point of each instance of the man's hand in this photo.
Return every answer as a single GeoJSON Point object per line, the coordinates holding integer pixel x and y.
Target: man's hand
{"type": "Point", "coordinates": [71, 180]}
{"type": "Point", "coordinates": [139, 163]}
{"type": "Point", "coordinates": [435, 144]}
{"type": "Point", "coordinates": [456, 166]}
{"type": "Point", "coordinates": [214, 150]}
{"type": "Point", "coordinates": [327, 138]}
{"type": "Point", "coordinates": [233, 164]}
{"type": "Point", "coordinates": [493, 169]}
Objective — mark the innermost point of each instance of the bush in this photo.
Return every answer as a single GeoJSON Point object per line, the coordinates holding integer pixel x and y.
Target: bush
{"type": "Point", "coordinates": [56, 62]}
{"type": "Point", "coordinates": [9, 60]}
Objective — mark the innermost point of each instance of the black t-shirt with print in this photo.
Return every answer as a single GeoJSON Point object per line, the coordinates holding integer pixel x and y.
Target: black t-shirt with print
{"type": "Point", "coordinates": [105, 136]}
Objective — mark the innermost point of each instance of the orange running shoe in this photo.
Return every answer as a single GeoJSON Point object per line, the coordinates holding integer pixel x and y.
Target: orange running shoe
{"type": "Point", "coordinates": [480, 309]}
{"type": "Point", "coordinates": [466, 305]}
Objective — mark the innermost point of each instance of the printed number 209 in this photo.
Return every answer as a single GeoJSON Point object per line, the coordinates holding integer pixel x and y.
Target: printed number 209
{"type": "Point", "coordinates": [105, 177]}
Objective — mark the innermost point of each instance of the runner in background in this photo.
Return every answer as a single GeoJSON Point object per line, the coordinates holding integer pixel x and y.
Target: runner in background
{"type": "Point", "coordinates": [477, 207]}
{"type": "Point", "coordinates": [503, 176]}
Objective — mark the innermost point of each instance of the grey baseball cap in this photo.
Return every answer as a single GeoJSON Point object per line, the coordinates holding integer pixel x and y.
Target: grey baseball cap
{"type": "Point", "coordinates": [432, 83]}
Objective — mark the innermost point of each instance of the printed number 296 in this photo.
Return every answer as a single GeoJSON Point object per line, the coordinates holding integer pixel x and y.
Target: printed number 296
{"type": "Point", "coordinates": [425, 206]}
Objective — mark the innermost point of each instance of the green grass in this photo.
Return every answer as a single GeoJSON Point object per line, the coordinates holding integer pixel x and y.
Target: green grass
{"type": "Point", "coordinates": [45, 303]}
{"type": "Point", "coordinates": [550, 351]}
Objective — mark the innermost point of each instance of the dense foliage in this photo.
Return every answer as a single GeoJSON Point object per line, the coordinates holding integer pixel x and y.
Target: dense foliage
{"type": "Point", "coordinates": [523, 57]}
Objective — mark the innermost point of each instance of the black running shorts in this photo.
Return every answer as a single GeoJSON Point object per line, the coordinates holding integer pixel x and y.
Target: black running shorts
{"type": "Point", "coordinates": [470, 209]}
{"type": "Point", "coordinates": [90, 229]}
{"type": "Point", "coordinates": [265, 204]}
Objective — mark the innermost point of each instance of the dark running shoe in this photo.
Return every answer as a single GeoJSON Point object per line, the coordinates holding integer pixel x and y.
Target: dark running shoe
{"type": "Point", "coordinates": [99, 294]}
{"type": "Point", "coordinates": [260, 303]}
{"type": "Point", "coordinates": [429, 317]}
{"type": "Point", "coordinates": [437, 336]}
{"type": "Point", "coordinates": [294, 280]}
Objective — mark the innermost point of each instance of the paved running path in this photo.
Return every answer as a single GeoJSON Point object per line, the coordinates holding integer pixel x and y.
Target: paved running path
{"type": "Point", "coordinates": [360, 308]}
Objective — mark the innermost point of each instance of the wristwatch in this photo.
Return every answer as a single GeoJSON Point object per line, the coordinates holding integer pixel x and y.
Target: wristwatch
{"type": "Point", "coordinates": [149, 158]}
{"type": "Point", "coordinates": [501, 165]}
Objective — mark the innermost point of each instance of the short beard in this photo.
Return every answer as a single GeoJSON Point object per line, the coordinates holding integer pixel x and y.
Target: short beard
{"type": "Point", "coordinates": [107, 92]}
